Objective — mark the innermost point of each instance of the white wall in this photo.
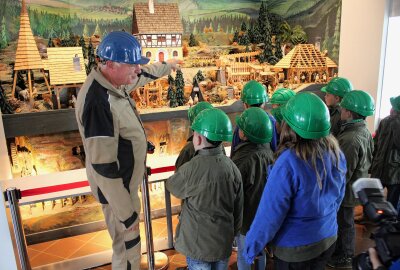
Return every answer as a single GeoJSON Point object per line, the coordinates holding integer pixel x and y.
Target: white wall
{"type": "Point", "coordinates": [362, 37]}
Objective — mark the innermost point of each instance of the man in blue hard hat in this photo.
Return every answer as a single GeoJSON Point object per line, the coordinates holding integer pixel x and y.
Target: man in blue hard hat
{"type": "Point", "coordinates": [114, 138]}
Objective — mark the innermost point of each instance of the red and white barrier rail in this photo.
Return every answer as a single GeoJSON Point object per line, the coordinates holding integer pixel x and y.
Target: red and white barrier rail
{"type": "Point", "coordinates": [71, 183]}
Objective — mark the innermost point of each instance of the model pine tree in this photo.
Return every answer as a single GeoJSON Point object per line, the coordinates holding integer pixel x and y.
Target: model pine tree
{"type": "Point", "coordinates": [172, 102]}
{"type": "Point", "coordinates": [244, 39]}
{"type": "Point", "coordinates": [91, 58]}
{"type": "Point", "coordinates": [251, 33]}
{"type": "Point", "coordinates": [170, 87]}
{"type": "Point", "coordinates": [262, 14]}
{"type": "Point", "coordinates": [236, 37]}
{"type": "Point", "coordinates": [83, 45]}
{"type": "Point", "coordinates": [278, 49]}
{"type": "Point", "coordinates": [192, 40]}
{"type": "Point", "coordinates": [299, 36]}
{"type": "Point", "coordinates": [264, 32]}
{"type": "Point", "coordinates": [179, 85]}
{"type": "Point", "coordinates": [243, 27]}
{"type": "Point", "coordinates": [198, 78]}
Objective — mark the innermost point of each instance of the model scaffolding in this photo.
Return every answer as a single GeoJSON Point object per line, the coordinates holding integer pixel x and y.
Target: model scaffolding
{"type": "Point", "coordinates": [27, 55]}
{"type": "Point", "coordinates": [305, 64]}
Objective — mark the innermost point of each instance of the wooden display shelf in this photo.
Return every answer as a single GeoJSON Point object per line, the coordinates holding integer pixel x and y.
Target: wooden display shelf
{"type": "Point", "coordinates": [56, 121]}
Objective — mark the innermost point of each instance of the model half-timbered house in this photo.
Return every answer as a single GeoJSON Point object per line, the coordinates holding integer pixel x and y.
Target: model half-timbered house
{"type": "Point", "coordinates": [159, 29]}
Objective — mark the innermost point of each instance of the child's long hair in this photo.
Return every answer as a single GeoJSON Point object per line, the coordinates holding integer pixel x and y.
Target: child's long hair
{"type": "Point", "coordinates": [309, 150]}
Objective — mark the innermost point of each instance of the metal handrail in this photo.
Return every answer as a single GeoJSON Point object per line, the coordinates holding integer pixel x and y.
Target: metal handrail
{"type": "Point", "coordinates": [13, 195]}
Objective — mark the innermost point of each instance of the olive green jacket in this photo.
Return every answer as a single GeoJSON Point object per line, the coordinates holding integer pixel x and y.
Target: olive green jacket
{"type": "Point", "coordinates": [252, 160]}
{"type": "Point", "coordinates": [211, 187]}
{"type": "Point", "coordinates": [356, 142]}
{"type": "Point", "coordinates": [386, 161]}
{"type": "Point", "coordinates": [335, 120]}
{"type": "Point", "coordinates": [186, 153]}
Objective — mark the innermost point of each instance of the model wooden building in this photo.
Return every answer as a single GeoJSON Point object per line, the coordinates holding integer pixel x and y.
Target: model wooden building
{"type": "Point", "coordinates": [303, 63]}
{"type": "Point", "coordinates": [27, 56]}
{"type": "Point", "coordinates": [159, 29]}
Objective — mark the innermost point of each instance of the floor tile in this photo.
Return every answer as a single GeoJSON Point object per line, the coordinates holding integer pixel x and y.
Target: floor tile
{"type": "Point", "coordinates": [87, 249]}
{"type": "Point", "coordinates": [42, 246]}
{"type": "Point", "coordinates": [44, 258]}
{"type": "Point", "coordinates": [65, 247]}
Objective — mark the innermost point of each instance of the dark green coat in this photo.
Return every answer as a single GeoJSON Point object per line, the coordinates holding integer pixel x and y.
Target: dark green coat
{"type": "Point", "coordinates": [186, 153]}
{"type": "Point", "coordinates": [356, 142]}
{"type": "Point", "coordinates": [211, 186]}
{"type": "Point", "coordinates": [335, 120]}
{"type": "Point", "coordinates": [252, 160]}
{"type": "Point", "coordinates": [386, 161]}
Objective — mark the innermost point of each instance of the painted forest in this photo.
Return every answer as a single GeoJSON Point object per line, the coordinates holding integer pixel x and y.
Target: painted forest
{"type": "Point", "coordinates": [49, 24]}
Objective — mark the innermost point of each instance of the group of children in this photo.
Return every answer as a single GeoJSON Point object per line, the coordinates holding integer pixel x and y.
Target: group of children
{"type": "Point", "coordinates": [287, 182]}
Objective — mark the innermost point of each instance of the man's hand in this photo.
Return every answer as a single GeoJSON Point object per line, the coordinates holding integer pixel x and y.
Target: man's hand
{"type": "Point", "coordinates": [175, 63]}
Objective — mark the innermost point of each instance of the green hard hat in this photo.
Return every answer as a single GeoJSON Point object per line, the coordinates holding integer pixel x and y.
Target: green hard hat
{"type": "Point", "coordinates": [360, 102]}
{"type": "Point", "coordinates": [307, 115]}
{"type": "Point", "coordinates": [281, 96]}
{"type": "Point", "coordinates": [338, 86]}
{"type": "Point", "coordinates": [254, 93]}
{"type": "Point", "coordinates": [213, 124]}
{"type": "Point", "coordinates": [395, 101]}
{"type": "Point", "coordinates": [277, 113]}
{"type": "Point", "coordinates": [196, 109]}
{"type": "Point", "coordinates": [256, 125]}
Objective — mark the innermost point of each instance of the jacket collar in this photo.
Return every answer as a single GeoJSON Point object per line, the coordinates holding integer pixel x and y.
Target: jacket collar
{"type": "Point", "coordinates": [334, 109]}
{"type": "Point", "coordinates": [99, 77]}
{"type": "Point", "coordinates": [210, 151]}
{"type": "Point", "coordinates": [251, 145]}
{"type": "Point", "coordinates": [350, 124]}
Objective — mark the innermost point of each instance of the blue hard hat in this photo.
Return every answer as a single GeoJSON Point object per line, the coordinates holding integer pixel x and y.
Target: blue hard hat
{"type": "Point", "coordinates": [121, 47]}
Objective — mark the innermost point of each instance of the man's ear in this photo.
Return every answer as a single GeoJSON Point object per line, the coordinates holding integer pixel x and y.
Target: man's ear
{"type": "Point", "coordinates": [199, 139]}
{"type": "Point", "coordinates": [110, 64]}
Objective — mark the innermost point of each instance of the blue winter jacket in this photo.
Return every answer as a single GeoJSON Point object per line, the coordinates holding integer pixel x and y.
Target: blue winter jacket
{"type": "Point", "coordinates": [293, 210]}
{"type": "Point", "coordinates": [274, 141]}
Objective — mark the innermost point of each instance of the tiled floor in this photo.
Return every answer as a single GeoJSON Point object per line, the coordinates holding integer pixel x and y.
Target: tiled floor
{"type": "Point", "coordinates": [77, 246]}
{"type": "Point", "coordinates": [81, 245]}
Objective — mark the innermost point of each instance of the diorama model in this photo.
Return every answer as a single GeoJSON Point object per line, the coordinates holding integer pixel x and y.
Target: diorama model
{"type": "Point", "coordinates": [45, 67]}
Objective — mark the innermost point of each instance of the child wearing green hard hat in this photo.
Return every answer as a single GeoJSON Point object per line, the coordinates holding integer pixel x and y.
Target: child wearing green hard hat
{"type": "Point", "coordinates": [252, 157]}
{"type": "Point", "coordinates": [254, 95]}
{"type": "Point", "coordinates": [278, 100]}
{"type": "Point", "coordinates": [296, 215]}
{"type": "Point", "coordinates": [355, 141]}
{"type": "Point", "coordinates": [210, 186]}
{"type": "Point", "coordinates": [187, 151]}
{"type": "Point", "coordinates": [334, 93]}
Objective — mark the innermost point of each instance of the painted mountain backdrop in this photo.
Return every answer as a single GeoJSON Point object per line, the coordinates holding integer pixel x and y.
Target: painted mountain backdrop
{"type": "Point", "coordinates": [320, 19]}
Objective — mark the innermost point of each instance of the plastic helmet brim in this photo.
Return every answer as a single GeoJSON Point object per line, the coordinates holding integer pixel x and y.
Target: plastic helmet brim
{"type": "Point", "coordinates": [143, 61]}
